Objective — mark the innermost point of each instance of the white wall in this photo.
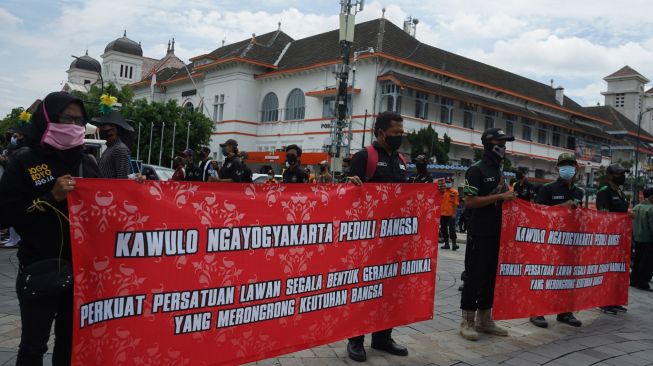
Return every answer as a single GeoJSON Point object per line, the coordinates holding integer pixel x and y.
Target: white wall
{"type": "Point", "coordinates": [244, 95]}
{"type": "Point", "coordinates": [77, 76]}
{"type": "Point", "coordinates": [111, 62]}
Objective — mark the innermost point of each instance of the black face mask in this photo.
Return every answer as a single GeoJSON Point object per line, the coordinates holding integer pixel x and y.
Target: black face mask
{"type": "Point", "coordinates": [225, 152]}
{"type": "Point", "coordinates": [495, 152]}
{"type": "Point", "coordinates": [394, 142]}
{"type": "Point", "coordinates": [104, 134]}
{"type": "Point", "coordinates": [291, 159]}
{"type": "Point", "coordinates": [619, 180]}
{"type": "Point", "coordinates": [420, 167]}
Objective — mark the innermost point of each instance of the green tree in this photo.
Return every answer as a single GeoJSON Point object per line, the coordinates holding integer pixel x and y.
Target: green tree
{"type": "Point", "coordinates": [151, 116]}
{"type": "Point", "coordinates": [426, 141]}
{"type": "Point", "coordinates": [507, 164]}
{"type": "Point", "coordinates": [92, 98]}
{"type": "Point", "coordinates": [627, 164]}
{"type": "Point", "coordinates": [10, 121]}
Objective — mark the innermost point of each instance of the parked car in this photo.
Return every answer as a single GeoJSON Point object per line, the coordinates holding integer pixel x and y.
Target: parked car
{"type": "Point", "coordinates": [262, 178]}
{"type": "Point", "coordinates": [155, 172]}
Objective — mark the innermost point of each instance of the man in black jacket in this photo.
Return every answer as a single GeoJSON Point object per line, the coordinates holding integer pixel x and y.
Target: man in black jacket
{"type": "Point", "coordinates": [562, 192]}
{"type": "Point", "coordinates": [523, 188]}
{"type": "Point", "coordinates": [294, 172]}
{"type": "Point", "coordinates": [233, 168]}
{"type": "Point", "coordinates": [611, 198]}
{"type": "Point", "coordinates": [421, 166]}
{"type": "Point", "coordinates": [485, 191]}
{"type": "Point", "coordinates": [389, 131]}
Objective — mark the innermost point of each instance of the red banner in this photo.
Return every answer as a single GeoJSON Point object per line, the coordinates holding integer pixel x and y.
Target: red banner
{"type": "Point", "coordinates": [555, 260]}
{"type": "Point", "coordinates": [180, 273]}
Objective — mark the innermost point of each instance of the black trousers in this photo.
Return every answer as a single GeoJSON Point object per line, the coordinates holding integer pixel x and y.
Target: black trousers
{"type": "Point", "coordinates": [448, 229]}
{"type": "Point", "coordinates": [643, 265]}
{"type": "Point", "coordinates": [36, 317]}
{"type": "Point", "coordinates": [481, 258]}
{"type": "Point", "coordinates": [380, 336]}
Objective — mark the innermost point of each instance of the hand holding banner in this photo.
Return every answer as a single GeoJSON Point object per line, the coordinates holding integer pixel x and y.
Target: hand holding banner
{"type": "Point", "coordinates": [206, 274]}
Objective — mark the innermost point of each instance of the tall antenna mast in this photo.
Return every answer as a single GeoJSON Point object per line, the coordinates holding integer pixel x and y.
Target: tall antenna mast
{"type": "Point", "coordinates": [348, 10]}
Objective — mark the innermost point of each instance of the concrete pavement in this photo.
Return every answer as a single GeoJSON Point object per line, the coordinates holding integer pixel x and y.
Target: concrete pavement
{"type": "Point", "coordinates": [603, 340]}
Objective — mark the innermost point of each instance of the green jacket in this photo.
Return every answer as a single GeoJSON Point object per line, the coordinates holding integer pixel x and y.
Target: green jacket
{"type": "Point", "coordinates": [643, 222]}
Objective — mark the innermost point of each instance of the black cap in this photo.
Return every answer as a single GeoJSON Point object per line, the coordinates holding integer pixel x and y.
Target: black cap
{"type": "Point", "coordinates": [648, 192]}
{"type": "Point", "coordinates": [495, 134]}
{"type": "Point", "coordinates": [231, 142]}
{"type": "Point", "coordinates": [615, 169]}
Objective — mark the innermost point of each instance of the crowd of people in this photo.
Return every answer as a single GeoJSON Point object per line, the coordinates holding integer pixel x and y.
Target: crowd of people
{"type": "Point", "coordinates": [47, 155]}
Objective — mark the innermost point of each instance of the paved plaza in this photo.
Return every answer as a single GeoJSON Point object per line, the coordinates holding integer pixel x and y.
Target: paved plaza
{"type": "Point", "coordinates": [603, 340]}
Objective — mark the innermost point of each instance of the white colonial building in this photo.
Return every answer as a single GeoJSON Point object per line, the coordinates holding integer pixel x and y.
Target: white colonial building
{"type": "Point", "coordinates": [271, 91]}
{"type": "Point", "coordinates": [123, 64]}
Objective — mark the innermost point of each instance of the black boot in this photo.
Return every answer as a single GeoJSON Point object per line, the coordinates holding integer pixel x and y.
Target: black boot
{"type": "Point", "coordinates": [445, 246]}
{"type": "Point", "coordinates": [454, 246]}
{"type": "Point", "coordinates": [356, 351]}
{"type": "Point", "coordinates": [569, 318]}
{"type": "Point", "coordinates": [390, 346]}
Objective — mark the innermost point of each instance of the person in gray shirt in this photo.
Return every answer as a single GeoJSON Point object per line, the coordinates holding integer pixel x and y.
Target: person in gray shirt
{"type": "Point", "coordinates": [114, 162]}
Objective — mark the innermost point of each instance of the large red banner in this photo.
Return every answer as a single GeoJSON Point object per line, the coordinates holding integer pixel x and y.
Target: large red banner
{"type": "Point", "coordinates": [555, 260]}
{"type": "Point", "coordinates": [181, 273]}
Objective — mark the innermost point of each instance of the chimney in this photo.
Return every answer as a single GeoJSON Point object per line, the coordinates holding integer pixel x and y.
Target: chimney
{"type": "Point", "coordinates": [560, 95]}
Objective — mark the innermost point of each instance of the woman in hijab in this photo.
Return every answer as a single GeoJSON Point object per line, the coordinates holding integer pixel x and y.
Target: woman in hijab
{"type": "Point", "coordinates": [33, 195]}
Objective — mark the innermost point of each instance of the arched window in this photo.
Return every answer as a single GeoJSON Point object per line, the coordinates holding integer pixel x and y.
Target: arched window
{"type": "Point", "coordinates": [189, 106]}
{"type": "Point", "coordinates": [295, 105]}
{"type": "Point", "coordinates": [270, 108]}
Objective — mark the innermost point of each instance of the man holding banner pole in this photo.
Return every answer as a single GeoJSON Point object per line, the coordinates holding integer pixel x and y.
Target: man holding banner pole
{"type": "Point", "coordinates": [562, 193]}
{"type": "Point", "coordinates": [380, 163]}
{"type": "Point", "coordinates": [485, 190]}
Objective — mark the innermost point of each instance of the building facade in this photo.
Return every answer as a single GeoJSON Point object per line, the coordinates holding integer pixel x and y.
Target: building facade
{"type": "Point", "coordinates": [271, 91]}
{"type": "Point", "coordinates": [123, 64]}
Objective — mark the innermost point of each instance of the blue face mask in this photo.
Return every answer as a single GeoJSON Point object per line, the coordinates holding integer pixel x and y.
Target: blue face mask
{"type": "Point", "coordinates": [567, 172]}
{"type": "Point", "coordinates": [14, 140]}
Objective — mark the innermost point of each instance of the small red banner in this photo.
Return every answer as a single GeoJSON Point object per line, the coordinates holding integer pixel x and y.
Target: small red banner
{"type": "Point", "coordinates": [554, 260]}
{"type": "Point", "coordinates": [181, 273]}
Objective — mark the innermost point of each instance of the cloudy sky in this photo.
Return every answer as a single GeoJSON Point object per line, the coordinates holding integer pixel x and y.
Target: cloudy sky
{"type": "Point", "coordinates": [576, 43]}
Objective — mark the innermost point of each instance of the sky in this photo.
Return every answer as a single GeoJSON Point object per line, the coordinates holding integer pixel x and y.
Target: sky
{"type": "Point", "coordinates": [574, 43]}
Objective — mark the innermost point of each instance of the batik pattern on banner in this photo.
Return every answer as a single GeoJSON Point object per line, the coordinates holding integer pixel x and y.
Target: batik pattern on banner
{"type": "Point", "coordinates": [181, 273]}
{"type": "Point", "coordinates": [554, 260]}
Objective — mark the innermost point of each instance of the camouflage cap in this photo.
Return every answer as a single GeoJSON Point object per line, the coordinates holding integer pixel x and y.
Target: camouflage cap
{"type": "Point", "coordinates": [566, 157]}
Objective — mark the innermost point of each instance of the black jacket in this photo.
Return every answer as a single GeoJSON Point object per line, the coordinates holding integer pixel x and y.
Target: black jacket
{"type": "Point", "coordinates": [31, 175]}
{"type": "Point", "coordinates": [390, 168]}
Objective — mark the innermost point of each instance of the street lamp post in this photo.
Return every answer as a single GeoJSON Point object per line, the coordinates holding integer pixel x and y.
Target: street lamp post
{"type": "Point", "coordinates": [639, 131]}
